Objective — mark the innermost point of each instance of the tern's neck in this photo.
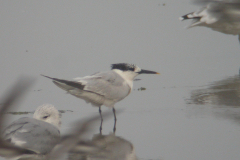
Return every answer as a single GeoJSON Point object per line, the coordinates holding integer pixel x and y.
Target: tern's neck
{"type": "Point", "coordinates": [126, 75]}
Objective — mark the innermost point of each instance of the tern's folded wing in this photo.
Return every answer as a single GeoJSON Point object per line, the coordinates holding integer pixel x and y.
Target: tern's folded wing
{"type": "Point", "coordinates": [108, 84]}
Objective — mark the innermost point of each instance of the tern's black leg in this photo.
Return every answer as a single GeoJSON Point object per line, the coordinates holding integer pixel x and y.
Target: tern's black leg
{"type": "Point", "coordinates": [115, 120]}
{"type": "Point", "coordinates": [100, 112]}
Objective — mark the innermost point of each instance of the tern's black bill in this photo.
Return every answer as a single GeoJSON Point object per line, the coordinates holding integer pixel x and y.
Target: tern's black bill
{"type": "Point", "coordinates": [143, 71]}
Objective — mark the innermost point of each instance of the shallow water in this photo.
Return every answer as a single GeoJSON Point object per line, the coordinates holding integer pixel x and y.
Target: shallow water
{"type": "Point", "coordinates": [190, 111]}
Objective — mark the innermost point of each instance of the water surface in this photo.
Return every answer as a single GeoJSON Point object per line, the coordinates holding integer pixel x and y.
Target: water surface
{"type": "Point", "coordinates": [190, 111]}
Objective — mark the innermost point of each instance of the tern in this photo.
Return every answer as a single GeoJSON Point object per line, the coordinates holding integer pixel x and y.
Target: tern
{"type": "Point", "coordinates": [222, 16]}
{"type": "Point", "coordinates": [103, 88]}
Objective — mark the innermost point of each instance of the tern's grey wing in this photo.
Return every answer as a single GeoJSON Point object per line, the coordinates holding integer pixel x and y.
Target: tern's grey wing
{"type": "Point", "coordinates": [102, 88]}
{"type": "Point", "coordinates": [108, 84]}
{"type": "Point", "coordinates": [32, 134]}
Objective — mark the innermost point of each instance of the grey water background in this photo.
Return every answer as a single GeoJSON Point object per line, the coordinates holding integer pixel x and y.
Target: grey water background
{"type": "Point", "coordinates": [178, 116]}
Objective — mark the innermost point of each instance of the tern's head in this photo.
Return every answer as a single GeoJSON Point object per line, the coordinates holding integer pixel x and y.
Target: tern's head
{"type": "Point", "coordinates": [48, 113]}
{"type": "Point", "coordinates": [131, 70]}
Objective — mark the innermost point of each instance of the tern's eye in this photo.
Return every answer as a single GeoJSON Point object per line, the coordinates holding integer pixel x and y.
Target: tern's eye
{"type": "Point", "coordinates": [45, 117]}
{"type": "Point", "coordinates": [131, 69]}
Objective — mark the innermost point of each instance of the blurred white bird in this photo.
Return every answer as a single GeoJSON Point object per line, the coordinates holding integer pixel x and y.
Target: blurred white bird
{"type": "Point", "coordinates": [80, 128]}
{"type": "Point", "coordinates": [103, 88]}
{"type": "Point", "coordinates": [38, 134]}
{"type": "Point", "coordinates": [220, 15]}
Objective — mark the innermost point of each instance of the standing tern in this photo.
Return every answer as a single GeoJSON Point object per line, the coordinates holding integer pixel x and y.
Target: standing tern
{"type": "Point", "coordinates": [103, 88]}
{"type": "Point", "coordinates": [222, 16]}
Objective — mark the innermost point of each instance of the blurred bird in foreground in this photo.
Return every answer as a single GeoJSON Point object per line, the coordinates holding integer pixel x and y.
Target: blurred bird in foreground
{"type": "Point", "coordinates": [13, 96]}
{"type": "Point", "coordinates": [220, 15]}
{"type": "Point", "coordinates": [38, 134]}
{"type": "Point", "coordinates": [11, 151]}
{"type": "Point", "coordinates": [103, 88]}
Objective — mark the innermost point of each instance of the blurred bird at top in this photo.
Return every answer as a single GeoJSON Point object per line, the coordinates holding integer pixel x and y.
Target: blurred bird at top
{"type": "Point", "coordinates": [220, 15]}
{"type": "Point", "coordinates": [104, 88]}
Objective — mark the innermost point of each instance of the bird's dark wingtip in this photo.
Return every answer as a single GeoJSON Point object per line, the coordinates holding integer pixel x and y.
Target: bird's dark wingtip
{"type": "Point", "coordinates": [46, 76]}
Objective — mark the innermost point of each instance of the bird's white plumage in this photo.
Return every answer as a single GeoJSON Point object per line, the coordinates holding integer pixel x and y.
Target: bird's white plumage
{"type": "Point", "coordinates": [39, 134]}
{"type": "Point", "coordinates": [48, 113]}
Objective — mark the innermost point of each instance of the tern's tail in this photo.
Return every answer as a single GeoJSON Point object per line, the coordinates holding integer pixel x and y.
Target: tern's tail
{"type": "Point", "coordinates": [65, 84]}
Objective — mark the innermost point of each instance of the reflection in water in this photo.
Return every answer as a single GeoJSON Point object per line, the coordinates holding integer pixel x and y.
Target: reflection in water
{"type": "Point", "coordinates": [19, 113]}
{"type": "Point", "coordinates": [27, 112]}
{"type": "Point", "coordinates": [110, 147]}
{"type": "Point", "coordinates": [141, 89]}
{"type": "Point", "coordinates": [225, 92]}
{"type": "Point", "coordinates": [221, 99]}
